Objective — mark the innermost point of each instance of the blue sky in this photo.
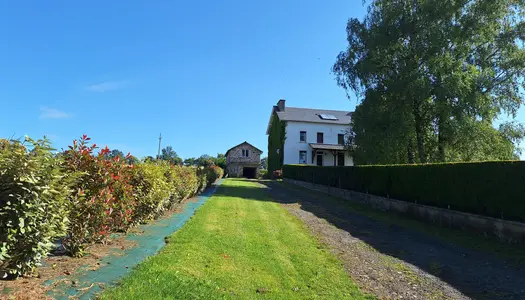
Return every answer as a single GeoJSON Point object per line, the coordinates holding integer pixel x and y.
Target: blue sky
{"type": "Point", "coordinates": [204, 73]}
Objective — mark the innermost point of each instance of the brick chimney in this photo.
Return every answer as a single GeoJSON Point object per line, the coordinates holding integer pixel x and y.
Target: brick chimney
{"type": "Point", "coordinates": [281, 105]}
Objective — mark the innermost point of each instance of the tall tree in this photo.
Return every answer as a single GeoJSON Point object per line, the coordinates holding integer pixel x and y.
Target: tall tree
{"type": "Point", "coordinates": [148, 158]}
{"type": "Point", "coordinates": [114, 153]}
{"type": "Point", "coordinates": [168, 154]}
{"type": "Point", "coordinates": [220, 160]}
{"type": "Point", "coordinates": [276, 139]}
{"type": "Point", "coordinates": [190, 161]}
{"type": "Point", "coordinates": [432, 76]}
{"type": "Point", "coordinates": [264, 163]}
{"type": "Point", "coordinates": [205, 160]}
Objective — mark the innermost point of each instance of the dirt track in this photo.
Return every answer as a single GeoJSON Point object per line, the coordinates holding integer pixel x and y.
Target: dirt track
{"type": "Point", "coordinates": [395, 262]}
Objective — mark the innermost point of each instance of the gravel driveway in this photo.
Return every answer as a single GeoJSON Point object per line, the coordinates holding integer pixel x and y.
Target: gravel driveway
{"type": "Point", "coordinates": [395, 262]}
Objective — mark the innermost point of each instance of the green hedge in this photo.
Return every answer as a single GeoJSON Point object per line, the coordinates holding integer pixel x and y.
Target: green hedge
{"type": "Point", "coordinates": [80, 196]}
{"type": "Point", "coordinates": [33, 204]}
{"type": "Point", "coordinates": [495, 189]}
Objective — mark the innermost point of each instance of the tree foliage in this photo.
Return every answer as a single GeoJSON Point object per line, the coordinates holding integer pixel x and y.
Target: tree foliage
{"type": "Point", "coordinates": [206, 160]}
{"type": "Point", "coordinates": [114, 153]}
{"type": "Point", "coordinates": [117, 153]}
{"type": "Point", "coordinates": [220, 161]}
{"type": "Point", "coordinates": [168, 154]}
{"type": "Point", "coordinates": [433, 76]}
{"type": "Point", "coordinates": [276, 139]}
{"type": "Point", "coordinates": [264, 163]}
{"type": "Point", "coordinates": [190, 161]}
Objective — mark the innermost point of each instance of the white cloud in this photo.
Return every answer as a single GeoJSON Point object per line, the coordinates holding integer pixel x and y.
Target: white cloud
{"type": "Point", "coordinates": [52, 113]}
{"type": "Point", "coordinates": [106, 86]}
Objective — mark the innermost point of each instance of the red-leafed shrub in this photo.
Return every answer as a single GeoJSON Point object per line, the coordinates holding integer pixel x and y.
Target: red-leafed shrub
{"type": "Point", "coordinates": [103, 199]}
{"type": "Point", "coordinates": [277, 174]}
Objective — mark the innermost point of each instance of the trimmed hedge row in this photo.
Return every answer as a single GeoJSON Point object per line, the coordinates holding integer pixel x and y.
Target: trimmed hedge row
{"type": "Point", "coordinates": [80, 197]}
{"type": "Point", "coordinates": [494, 189]}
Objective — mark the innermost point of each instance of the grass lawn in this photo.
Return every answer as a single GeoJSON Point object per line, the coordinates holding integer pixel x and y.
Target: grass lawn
{"type": "Point", "coordinates": [238, 245]}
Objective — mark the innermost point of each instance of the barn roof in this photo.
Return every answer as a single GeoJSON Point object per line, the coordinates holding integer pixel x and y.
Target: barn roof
{"type": "Point", "coordinates": [241, 145]}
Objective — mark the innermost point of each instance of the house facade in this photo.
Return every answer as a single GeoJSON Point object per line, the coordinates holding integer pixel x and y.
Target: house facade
{"type": "Point", "coordinates": [308, 136]}
{"type": "Point", "coordinates": [243, 160]}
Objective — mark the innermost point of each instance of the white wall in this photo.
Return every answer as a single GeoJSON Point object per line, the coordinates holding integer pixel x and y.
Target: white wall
{"type": "Point", "coordinates": [292, 145]}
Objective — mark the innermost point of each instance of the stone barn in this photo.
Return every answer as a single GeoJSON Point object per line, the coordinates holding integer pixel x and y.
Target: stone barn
{"type": "Point", "coordinates": [243, 160]}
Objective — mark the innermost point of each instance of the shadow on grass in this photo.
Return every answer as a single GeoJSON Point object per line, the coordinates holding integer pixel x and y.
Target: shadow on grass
{"type": "Point", "coordinates": [479, 268]}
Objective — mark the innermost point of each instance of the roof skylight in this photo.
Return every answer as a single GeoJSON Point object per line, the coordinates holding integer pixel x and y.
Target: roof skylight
{"type": "Point", "coordinates": [328, 117]}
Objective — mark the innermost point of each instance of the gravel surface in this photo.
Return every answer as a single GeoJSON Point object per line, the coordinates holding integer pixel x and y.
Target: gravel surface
{"type": "Point", "coordinates": [394, 262]}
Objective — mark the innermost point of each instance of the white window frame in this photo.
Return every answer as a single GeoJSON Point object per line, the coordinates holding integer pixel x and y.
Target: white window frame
{"type": "Point", "coordinates": [300, 132]}
{"type": "Point", "coordinates": [305, 157]}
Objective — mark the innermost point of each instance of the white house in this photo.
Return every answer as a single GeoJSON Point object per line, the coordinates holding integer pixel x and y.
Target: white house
{"type": "Point", "coordinates": [312, 136]}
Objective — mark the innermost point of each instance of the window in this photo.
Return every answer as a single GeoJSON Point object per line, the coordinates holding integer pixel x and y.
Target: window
{"type": "Point", "coordinates": [302, 157]}
{"type": "Point", "coordinates": [328, 117]}
{"type": "Point", "coordinates": [319, 137]}
{"type": "Point", "coordinates": [341, 139]}
{"type": "Point", "coordinates": [302, 136]}
{"type": "Point", "coordinates": [245, 152]}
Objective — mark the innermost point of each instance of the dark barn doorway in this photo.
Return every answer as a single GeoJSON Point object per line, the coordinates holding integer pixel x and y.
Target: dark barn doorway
{"type": "Point", "coordinates": [249, 172]}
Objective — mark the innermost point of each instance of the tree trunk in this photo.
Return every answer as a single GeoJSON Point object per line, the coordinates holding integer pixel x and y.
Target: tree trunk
{"type": "Point", "coordinates": [410, 152]}
{"type": "Point", "coordinates": [441, 137]}
{"type": "Point", "coordinates": [419, 126]}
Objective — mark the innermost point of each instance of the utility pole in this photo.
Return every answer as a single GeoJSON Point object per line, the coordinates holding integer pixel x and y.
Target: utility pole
{"type": "Point", "coordinates": [160, 139]}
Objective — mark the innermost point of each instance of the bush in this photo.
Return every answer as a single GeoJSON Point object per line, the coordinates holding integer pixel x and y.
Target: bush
{"type": "Point", "coordinates": [183, 182]}
{"type": "Point", "coordinates": [152, 190]}
{"type": "Point", "coordinates": [277, 174]}
{"type": "Point", "coordinates": [261, 173]}
{"type": "Point", "coordinates": [494, 189]}
{"type": "Point", "coordinates": [80, 196]}
{"type": "Point", "coordinates": [202, 178]}
{"type": "Point", "coordinates": [159, 185]}
{"type": "Point", "coordinates": [33, 195]}
{"type": "Point", "coordinates": [214, 173]}
{"type": "Point", "coordinates": [190, 182]}
{"type": "Point", "coordinates": [103, 199]}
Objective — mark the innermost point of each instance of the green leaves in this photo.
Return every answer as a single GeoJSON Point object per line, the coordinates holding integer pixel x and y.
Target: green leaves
{"type": "Point", "coordinates": [33, 192]}
{"type": "Point", "coordinates": [427, 70]}
{"type": "Point", "coordinates": [468, 187]}
{"type": "Point", "coordinates": [276, 139]}
{"type": "Point", "coordinates": [168, 154]}
{"type": "Point", "coordinates": [80, 197]}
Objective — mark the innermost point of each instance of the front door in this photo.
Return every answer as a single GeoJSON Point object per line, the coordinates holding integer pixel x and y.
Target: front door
{"type": "Point", "coordinates": [340, 159]}
{"type": "Point", "coordinates": [320, 159]}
